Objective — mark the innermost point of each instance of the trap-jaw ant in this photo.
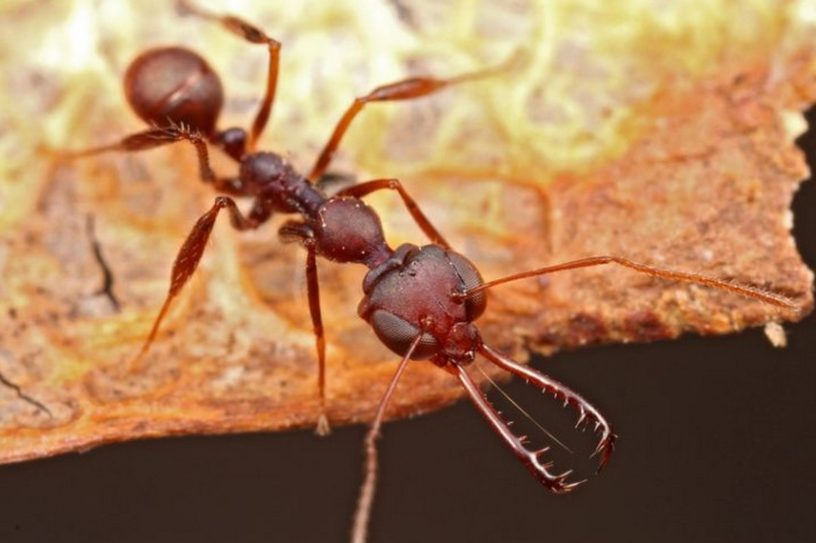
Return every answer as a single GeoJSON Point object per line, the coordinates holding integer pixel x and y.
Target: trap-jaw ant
{"type": "Point", "coordinates": [421, 301]}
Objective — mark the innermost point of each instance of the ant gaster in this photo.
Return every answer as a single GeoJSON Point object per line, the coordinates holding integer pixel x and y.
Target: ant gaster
{"type": "Point", "coordinates": [421, 301]}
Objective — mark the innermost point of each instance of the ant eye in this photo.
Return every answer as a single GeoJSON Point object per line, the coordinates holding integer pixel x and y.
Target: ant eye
{"type": "Point", "coordinates": [474, 305]}
{"type": "Point", "coordinates": [398, 334]}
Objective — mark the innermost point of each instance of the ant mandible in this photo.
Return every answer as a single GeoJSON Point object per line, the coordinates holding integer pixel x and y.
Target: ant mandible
{"type": "Point", "coordinates": [421, 301]}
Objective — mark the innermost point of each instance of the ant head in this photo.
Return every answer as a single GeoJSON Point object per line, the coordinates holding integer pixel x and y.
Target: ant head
{"type": "Point", "coordinates": [462, 342]}
{"type": "Point", "coordinates": [470, 277]}
{"type": "Point", "coordinates": [459, 345]}
{"type": "Point", "coordinates": [174, 85]}
{"type": "Point", "coordinates": [412, 294]}
{"type": "Point", "coordinates": [398, 334]}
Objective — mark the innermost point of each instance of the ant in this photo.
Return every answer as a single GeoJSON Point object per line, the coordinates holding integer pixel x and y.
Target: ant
{"type": "Point", "coordinates": [421, 301]}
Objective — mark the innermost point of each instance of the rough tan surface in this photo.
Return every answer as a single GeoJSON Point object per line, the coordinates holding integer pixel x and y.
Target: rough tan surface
{"type": "Point", "coordinates": [703, 183]}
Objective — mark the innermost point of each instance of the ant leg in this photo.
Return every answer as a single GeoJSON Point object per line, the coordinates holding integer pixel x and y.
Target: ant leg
{"type": "Point", "coordinates": [313, 289]}
{"type": "Point", "coordinates": [366, 498]}
{"type": "Point", "coordinates": [157, 137]}
{"type": "Point", "coordinates": [191, 251]}
{"type": "Point", "coordinates": [140, 141]}
{"type": "Point", "coordinates": [406, 89]}
{"type": "Point", "coordinates": [251, 34]}
{"type": "Point", "coordinates": [531, 459]}
{"type": "Point", "coordinates": [229, 185]}
{"type": "Point", "coordinates": [297, 231]}
{"type": "Point", "coordinates": [368, 187]}
{"type": "Point", "coordinates": [672, 275]}
{"type": "Point", "coordinates": [586, 411]}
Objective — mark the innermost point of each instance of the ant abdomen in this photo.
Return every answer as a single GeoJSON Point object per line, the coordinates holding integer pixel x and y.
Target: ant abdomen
{"type": "Point", "coordinates": [173, 85]}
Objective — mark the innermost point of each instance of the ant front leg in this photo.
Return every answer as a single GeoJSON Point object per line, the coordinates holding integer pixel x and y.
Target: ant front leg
{"type": "Point", "coordinates": [358, 191]}
{"type": "Point", "coordinates": [297, 231]}
{"type": "Point", "coordinates": [191, 252]}
{"type": "Point", "coordinates": [255, 35]}
{"type": "Point", "coordinates": [406, 89]}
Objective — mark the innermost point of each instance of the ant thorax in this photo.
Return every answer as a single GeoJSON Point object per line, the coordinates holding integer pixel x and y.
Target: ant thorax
{"type": "Point", "coordinates": [269, 177]}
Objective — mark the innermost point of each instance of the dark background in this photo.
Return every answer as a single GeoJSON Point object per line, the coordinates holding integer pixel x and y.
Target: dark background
{"type": "Point", "coordinates": [717, 444]}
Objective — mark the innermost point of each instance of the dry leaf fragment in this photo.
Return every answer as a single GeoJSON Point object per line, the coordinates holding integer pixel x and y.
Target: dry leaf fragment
{"type": "Point", "coordinates": [776, 334]}
{"type": "Point", "coordinates": [697, 175]}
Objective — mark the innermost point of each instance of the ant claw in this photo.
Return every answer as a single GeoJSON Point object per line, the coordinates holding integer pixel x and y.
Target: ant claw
{"type": "Point", "coordinates": [323, 427]}
{"type": "Point", "coordinates": [136, 364]}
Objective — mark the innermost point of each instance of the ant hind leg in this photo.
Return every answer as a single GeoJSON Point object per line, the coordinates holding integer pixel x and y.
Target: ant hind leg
{"type": "Point", "coordinates": [139, 141]}
{"type": "Point", "coordinates": [405, 89]}
{"type": "Point", "coordinates": [190, 255]}
{"type": "Point", "coordinates": [157, 137]}
{"type": "Point", "coordinates": [252, 34]}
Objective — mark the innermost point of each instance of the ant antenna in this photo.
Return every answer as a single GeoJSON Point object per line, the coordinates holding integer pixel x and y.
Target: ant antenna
{"type": "Point", "coordinates": [522, 410]}
{"type": "Point", "coordinates": [672, 275]}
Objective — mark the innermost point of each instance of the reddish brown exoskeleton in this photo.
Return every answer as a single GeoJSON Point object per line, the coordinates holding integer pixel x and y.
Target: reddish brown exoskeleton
{"type": "Point", "coordinates": [421, 301]}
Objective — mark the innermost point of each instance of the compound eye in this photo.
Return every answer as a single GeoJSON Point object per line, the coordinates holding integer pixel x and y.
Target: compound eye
{"type": "Point", "coordinates": [474, 305]}
{"type": "Point", "coordinates": [397, 334]}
